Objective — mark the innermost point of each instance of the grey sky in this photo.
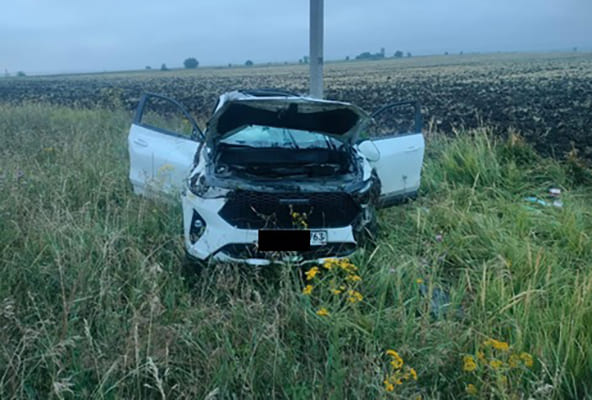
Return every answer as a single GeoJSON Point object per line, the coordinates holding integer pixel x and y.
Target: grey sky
{"type": "Point", "coordinates": [81, 35]}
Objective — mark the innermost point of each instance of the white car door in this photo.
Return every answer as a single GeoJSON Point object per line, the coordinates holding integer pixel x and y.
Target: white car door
{"type": "Point", "coordinates": [399, 159]}
{"type": "Point", "coordinates": [163, 141]}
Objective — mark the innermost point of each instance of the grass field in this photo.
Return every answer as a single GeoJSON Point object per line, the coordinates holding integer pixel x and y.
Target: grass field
{"type": "Point", "coordinates": [95, 301]}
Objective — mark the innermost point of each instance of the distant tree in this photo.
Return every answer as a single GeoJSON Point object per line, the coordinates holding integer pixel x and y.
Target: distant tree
{"type": "Point", "coordinates": [445, 53]}
{"type": "Point", "coordinates": [409, 54]}
{"type": "Point", "coordinates": [163, 67]}
{"type": "Point", "coordinates": [346, 58]}
{"type": "Point", "coordinates": [249, 63]}
{"type": "Point", "coordinates": [191, 63]}
{"type": "Point", "coordinates": [305, 60]}
{"type": "Point", "coordinates": [382, 52]}
{"type": "Point", "coordinates": [371, 56]}
{"type": "Point", "coordinates": [461, 52]}
{"type": "Point", "coordinates": [229, 65]}
{"type": "Point", "coordinates": [21, 74]}
{"type": "Point", "coordinates": [148, 67]}
{"type": "Point", "coordinates": [575, 49]}
{"type": "Point", "coordinates": [398, 54]}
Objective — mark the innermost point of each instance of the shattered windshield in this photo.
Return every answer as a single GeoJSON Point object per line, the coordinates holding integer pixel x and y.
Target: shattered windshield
{"type": "Point", "coordinates": [266, 136]}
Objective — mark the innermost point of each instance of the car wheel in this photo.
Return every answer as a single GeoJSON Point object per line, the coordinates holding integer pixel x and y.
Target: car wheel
{"type": "Point", "coordinates": [192, 266]}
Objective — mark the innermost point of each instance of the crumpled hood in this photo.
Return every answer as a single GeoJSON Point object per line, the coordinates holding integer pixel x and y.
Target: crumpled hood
{"type": "Point", "coordinates": [236, 110]}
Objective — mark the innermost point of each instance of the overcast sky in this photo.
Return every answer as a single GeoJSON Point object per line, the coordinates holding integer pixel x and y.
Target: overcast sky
{"type": "Point", "coordinates": [44, 36]}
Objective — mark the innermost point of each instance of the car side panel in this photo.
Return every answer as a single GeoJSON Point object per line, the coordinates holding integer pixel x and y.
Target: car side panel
{"type": "Point", "coordinates": [158, 162]}
{"type": "Point", "coordinates": [399, 166]}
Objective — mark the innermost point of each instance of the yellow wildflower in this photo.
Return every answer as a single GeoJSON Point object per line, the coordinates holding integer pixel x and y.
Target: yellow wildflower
{"type": "Point", "coordinates": [322, 312]}
{"type": "Point", "coordinates": [503, 380]}
{"type": "Point", "coordinates": [496, 364]}
{"type": "Point", "coordinates": [527, 359]}
{"type": "Point", "coordinates": [513, 361]}
{"type": "Point", "coordinates": [311, 273]}
{"type": "Point", "coordinates": [354, 296]}
{"type": "Point", "coordinates": [496, 344]}
{"type": "Point", "coordinates": [307, 290]}
{"type": "Point", "coordinates": [336, 291]}
{"type": "Point", "coordinates": [471, 389]}
{"type": "Point", "coordinates": [354, 278]}
{"type": "Point", "coordinates": [481, 356]}
{"type": "Point", "coordinates": [469, 364]}
{"type": "Point", "coordinates": [503, 346]}
{"type": "Point", "coordinates": [392, 353]}
{"type": "Point", "coordinates": [345, 265]}
{"type": "Point", "coordinates": [419, 281]}
{"type": "Point", "coordinates": [413, 373]}
{"type": "Point", "coordinates": [389, 387]}
{"type": "Point", "coordinates": [329, 263]}
{"type": "Point", "coordinates": [397, 361]}
{"type": "Point", "coordinates": [166, 168]}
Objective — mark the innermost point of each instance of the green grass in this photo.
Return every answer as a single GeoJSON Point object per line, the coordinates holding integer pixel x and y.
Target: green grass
{"type": "Point", "coordinates": [95, 301]}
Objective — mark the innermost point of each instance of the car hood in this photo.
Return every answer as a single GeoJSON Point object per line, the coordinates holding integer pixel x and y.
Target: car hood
{"type": "Point", "coordinates": [236, 110]}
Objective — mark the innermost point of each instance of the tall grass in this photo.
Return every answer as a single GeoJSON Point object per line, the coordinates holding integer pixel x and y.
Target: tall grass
{"type": "Point", "coordinates": [95, 301]}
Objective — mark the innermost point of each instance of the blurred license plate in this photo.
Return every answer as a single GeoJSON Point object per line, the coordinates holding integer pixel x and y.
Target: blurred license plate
{"type": "Point", "coordinates": [290, 239]}
{"type": "Point", "coordinates": [318, 238]}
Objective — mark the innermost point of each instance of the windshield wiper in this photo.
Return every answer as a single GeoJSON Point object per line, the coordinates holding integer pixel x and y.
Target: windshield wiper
{"type": "Point", "coordinates": [294, 143]}
{"type": "Point", "coordinates": [330, 144]}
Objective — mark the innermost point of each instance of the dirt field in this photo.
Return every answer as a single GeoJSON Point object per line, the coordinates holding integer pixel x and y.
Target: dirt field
{"type": "Point", "coordinates": [547, 98]}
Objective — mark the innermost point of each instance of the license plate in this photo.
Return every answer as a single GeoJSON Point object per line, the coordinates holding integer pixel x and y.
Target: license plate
{"type": "Point", "coordinates": [318, 238]}
{"type": "Point", "coordinates": [284, 240]}
{"type": "Point", "coordinates": [290, 239]}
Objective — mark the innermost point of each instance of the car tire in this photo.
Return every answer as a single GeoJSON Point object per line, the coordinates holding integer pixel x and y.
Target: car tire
{"type": "Point", "coordinates": [192, 266]}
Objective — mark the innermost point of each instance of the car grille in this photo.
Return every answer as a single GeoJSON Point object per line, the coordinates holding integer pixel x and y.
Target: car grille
{"type": "Point", "coordinates": [258, 210]}
{"type": "Point", "coordinates": [244, 251]}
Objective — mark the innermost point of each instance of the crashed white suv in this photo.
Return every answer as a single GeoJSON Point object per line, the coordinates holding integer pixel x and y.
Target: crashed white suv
{"type": "Point", "coordinates": [275, 177]}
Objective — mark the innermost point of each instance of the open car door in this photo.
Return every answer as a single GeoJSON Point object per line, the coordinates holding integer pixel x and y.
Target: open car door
{"type": "Point", "coordinates": [163, 141]}
{"type": "Point", "coordinates": [400, 157]}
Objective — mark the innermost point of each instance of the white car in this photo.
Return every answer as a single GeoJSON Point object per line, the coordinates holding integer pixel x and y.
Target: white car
{"type": "Point", "coordinates": [275, 177]}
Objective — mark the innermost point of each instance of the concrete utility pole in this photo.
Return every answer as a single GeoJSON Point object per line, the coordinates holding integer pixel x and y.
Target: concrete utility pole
{"type": "Point", "coordinates": [316, 48]}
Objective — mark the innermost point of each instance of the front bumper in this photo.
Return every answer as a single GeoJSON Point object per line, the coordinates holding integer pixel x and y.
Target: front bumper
{"type": "Point", "coordinates": [223, 242]}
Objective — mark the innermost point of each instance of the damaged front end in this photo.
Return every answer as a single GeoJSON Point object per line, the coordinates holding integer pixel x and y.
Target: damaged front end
{"type": "Point", "coordinates": [281, 165]}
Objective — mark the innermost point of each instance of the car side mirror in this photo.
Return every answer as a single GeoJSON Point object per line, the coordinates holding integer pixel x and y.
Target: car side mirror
{"type": "Point", "coordinates": [369, 150]}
